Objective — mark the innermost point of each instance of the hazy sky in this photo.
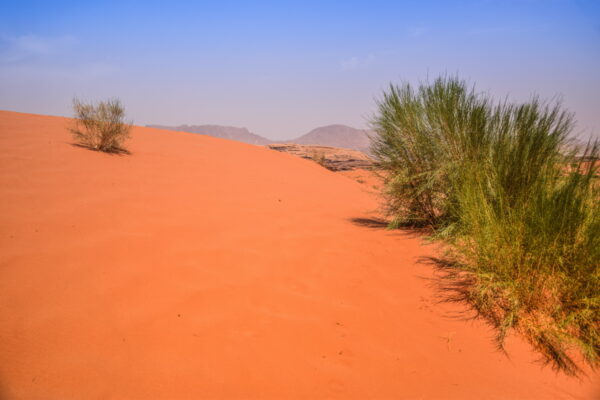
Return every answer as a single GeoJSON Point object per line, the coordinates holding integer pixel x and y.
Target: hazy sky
{"type": "Point", "coordinates": [282, 68]}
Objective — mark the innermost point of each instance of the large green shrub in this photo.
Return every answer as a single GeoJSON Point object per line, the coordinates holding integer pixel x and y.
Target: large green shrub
{"type": "Point", "coordinates": [520, 215]}
{"type": "Point", "coordinates": [422, 134]}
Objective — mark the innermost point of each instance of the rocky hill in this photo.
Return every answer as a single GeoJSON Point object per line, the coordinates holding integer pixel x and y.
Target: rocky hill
{"type": "Point", "coordinates": [341, 136]}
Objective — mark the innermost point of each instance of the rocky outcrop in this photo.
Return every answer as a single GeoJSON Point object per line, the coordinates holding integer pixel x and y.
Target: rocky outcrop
{"type": "Point", "coordinates": [332, 158]}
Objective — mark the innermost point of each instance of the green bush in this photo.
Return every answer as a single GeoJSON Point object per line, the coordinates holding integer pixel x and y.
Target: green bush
{"type": "Point", "coordinates": [520, 215]}
{"type": "Point", "coordinates": [100, 126]}
{"type": "Point", "coordinates": [421, 136]}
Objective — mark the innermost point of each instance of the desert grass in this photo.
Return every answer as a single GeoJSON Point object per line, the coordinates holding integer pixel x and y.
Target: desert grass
{"type": "Point", "coordinates": [320, 158]}
{"type": "Point", "coordinates": [101, 126]}
{"type": "Point", "coordinates": [520, 215]}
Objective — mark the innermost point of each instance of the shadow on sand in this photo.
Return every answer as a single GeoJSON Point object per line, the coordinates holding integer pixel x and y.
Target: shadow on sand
{"type": "Point", "coordinates": [404, 230]}
{"type": "Point", "coordinates": [452, 285]}
{"type": "Point", "coordinates": [116, 152]}
{"type": "Point", "coordinates": [373, 223]}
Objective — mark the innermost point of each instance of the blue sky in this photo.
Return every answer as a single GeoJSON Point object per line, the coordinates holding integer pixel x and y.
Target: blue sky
{"type": "Point", "coordinates": [282, 68]}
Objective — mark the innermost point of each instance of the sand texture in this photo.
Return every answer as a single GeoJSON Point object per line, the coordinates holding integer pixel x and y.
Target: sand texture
{"type": "Point", "coordinates": [202, 268]}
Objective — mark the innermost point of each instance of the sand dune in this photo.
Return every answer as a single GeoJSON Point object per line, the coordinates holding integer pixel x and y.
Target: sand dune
{"type": "Point", "coordinates": [205, 268]}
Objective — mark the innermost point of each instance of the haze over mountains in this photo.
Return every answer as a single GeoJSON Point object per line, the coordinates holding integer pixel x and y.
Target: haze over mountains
{"type": "Point", "coordinates": [331, 135]}
{"type": "Point", "coordinates": [223, 132]}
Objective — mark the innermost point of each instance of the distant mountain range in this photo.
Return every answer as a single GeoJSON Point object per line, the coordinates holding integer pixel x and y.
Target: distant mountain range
{"type": "Point", "coordinates": [341, 136]}
{"type": "Point", "coordinates": [223, 132]}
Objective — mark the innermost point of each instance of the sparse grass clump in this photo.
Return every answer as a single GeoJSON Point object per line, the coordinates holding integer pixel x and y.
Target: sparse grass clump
{"type": "Point", "coordinates": [101, 126]}
{"type": "Point", "coordinates": [521, 216]}
{"type": "Point", "coordinates": [319, 157]}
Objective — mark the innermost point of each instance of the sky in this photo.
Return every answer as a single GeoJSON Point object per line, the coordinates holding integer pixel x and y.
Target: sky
{"type": "Point", "coordinates": [283, 68]}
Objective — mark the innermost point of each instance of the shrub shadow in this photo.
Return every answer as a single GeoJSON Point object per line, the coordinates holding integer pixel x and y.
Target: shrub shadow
{"type": "Point", "coordinates": [406, 230]}
{"type": "Point", "coordinates": [373, 223]}
{"type": "Point", "coordinates": [115, 151]}
{"type": "Point", "coordinates": [452, 285]}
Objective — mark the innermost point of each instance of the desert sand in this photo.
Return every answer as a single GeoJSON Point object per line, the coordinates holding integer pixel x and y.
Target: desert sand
{"type": "Point", "coordinates": [202, 268]}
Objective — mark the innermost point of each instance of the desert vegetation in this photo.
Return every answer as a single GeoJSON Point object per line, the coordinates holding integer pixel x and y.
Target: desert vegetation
{"type": "Point", "coordinates": [519, 215]}
{"type": "Point", "coordinates": [100, 126]}
{"type": "Point", "coordinates": [319, 157]}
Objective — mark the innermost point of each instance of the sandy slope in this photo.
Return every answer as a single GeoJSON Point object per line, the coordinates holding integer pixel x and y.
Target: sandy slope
{"type": "Point", "coordinates": [205, 268]}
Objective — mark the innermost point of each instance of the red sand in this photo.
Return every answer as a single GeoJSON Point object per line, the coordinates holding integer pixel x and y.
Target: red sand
{"type": "Point", "coordinates": [205, 268]}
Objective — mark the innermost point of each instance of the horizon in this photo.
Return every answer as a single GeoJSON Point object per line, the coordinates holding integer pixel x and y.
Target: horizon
{"type": "Point", "coordinates": [281, 71]}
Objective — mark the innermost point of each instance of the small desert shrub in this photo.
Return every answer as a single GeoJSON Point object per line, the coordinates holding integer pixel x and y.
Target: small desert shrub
{"type": "Point", "coordinates": [520, 216]}
{"type": "Point", "coordinates": [100, 126]}
{"type": "Point", "coordinates": [320, 158]}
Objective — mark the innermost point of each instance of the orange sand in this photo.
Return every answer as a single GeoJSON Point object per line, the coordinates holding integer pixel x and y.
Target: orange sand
{"type": "Point", "coordinates": [204, 268]}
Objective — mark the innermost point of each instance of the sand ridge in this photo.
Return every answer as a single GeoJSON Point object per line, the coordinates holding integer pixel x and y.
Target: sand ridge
{"type": "Point", "coordinates": [199, 267]}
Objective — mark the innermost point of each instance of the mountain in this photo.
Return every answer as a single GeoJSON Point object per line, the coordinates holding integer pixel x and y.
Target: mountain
{"type": "Point", "coordinates": [340, 136]}
{"type": "Point", "coordinates": [223, 132]}
{"type": "Point", "coordinates": [336, 136]}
